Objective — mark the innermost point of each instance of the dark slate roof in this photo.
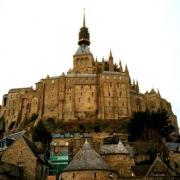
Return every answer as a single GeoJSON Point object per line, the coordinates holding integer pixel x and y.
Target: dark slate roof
{"type": "Point", "coordinates": [15, 136]}
{"type": "Point", "coordinates": [113, 149]}
{"type": "Point", "coordinates": [163, 164]}
{"type": "Point", "coordinates": [83, 49]}
{"type": "Point", "coordinates": [130, 149]}
{"type": "Point", "coordinates": [87, 159]}
{"type": "Point", "coordinates": [144, 170]}
{"type": "Point", "coordinates": [173, 146]}
{"type": "Point", "coordinates": [140, 170]}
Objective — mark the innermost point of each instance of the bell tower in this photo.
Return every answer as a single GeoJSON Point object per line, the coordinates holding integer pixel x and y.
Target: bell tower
{"type": "Point", "coordinates": [83, 61]}
{"type": "Point", "coordinates": [84, 34]}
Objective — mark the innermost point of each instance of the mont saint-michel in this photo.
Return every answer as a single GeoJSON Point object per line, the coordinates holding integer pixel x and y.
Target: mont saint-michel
{"type": "Point", "coordinates": [91, 123]}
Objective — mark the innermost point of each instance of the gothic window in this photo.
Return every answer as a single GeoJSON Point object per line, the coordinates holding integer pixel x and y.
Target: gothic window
{"type": "Point", "coordinates": [73, 175]}
{"type": "Point", "coordinates": [92, 94]}
{"type": "Point", "coordinates": [88, 99]}
{"type": "Point", "coordinates": [109, 94]}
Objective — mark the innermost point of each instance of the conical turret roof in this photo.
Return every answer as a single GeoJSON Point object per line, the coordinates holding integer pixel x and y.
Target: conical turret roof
{"type": "Point", "coordinates": [113, 149]}
{"type": "Point", "coordinates": [87, 159]}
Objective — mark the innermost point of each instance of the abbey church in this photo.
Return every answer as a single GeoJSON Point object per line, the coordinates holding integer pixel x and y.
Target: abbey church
{"type": "Point", "coordinates": [91, 90]}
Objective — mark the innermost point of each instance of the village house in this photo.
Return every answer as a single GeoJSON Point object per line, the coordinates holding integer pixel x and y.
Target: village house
{"type": "Point", "coordinates": [23, 153]}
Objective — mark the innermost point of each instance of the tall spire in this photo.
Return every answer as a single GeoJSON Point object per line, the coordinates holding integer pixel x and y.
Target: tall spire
{"type": "Point", "coordinates": [84, 19]}
{"type": "Point", "coordinates": [111, 64]}
{"type": "Point", "coordinates": [84, 37]}
{"type": "Point", "coordinates": [110, 53]}
{"type": "Point", "coordinates": [120, 66]}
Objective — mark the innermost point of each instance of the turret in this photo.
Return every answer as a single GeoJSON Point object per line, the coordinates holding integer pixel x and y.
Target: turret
{"type": "Point", "coordinates": [127, 73]}
{"type": "Point", "coordinates": [120, 67]}
{"type": "Point", "coordinates": [111, 65]}
{"type": "Point", "coordinates": [137, 86]}
{"type": "Point", "coordinates": [103, 64]}
{"type": "Point", "coordinates": [84, 36]}
{"type": "Point", "coordinates": [83, 60]}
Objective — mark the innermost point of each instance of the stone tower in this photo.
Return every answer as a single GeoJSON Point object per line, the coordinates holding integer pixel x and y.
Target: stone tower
{"type": "Point", "coordinates": [83, 61]}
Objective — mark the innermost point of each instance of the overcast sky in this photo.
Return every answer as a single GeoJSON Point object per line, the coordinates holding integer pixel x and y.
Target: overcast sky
{"type": "Point", "coordinates": [39, 37]}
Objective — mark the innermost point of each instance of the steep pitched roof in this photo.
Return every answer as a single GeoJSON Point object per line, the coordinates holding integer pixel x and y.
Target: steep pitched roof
{"type": "Point", "coordinates": [113, 149]}
{"type": "Point", "coordinates": [158, 160]}
{"type": "Point", "coordinates": [30, 145]}
{"type": "Point", "coordinates": [87, 159]}
{"type": "Point", "coordinates": [145, 170]}
{"type": "Point", "coordinates": [140, 170]}
{"type": "Point", "coordinates": [15, 136]}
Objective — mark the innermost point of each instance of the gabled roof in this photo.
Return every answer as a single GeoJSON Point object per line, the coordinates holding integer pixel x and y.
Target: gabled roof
{"type": "Point", "coordinates": [15, 136]}
{"type": "Point", "coordinates": [158, 160]}
{"type": "Point", "coordinates": [87, 159]}
{"type": "Point", "coordinates": [30, 145]}
{"type": "Point", "coordinates": [145, 170]}
{"type": "Point", "coordinates": [140, 170]}
{"type": "Point", "coordinates": [113, 149]}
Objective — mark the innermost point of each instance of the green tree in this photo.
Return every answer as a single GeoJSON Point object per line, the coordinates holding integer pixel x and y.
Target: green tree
{"type": "Point", "coordinates": [150, 126]}
{"type": "Point", "coordinates": [40, 133]}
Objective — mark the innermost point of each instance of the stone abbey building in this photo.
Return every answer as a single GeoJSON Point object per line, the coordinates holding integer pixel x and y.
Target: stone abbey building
{"type": "Point", "coordinates": [91, 90]}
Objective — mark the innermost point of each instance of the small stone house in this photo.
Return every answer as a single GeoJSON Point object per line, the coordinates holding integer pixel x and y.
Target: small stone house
{"type": "Point", "coordinates": [23, 153]}
{"type": "Point", "coordinates": [158, 168]}
{"type": "Point", "coordinates": [118, 157]}
{"type": "Point", "coordinates": [87, 164]}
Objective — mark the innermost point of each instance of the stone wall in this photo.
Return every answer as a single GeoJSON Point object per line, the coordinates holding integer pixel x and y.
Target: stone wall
{"type": "Point", "coordinates": [88, 175]}
{"type": "Point", "coordinates": [106, 95]}
{"type": "Point", "coordinates": [122, 163]}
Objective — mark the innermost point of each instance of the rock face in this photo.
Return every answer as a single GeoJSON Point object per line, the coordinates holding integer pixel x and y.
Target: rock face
{"type": "Point", "coordinates": [91, 90]}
